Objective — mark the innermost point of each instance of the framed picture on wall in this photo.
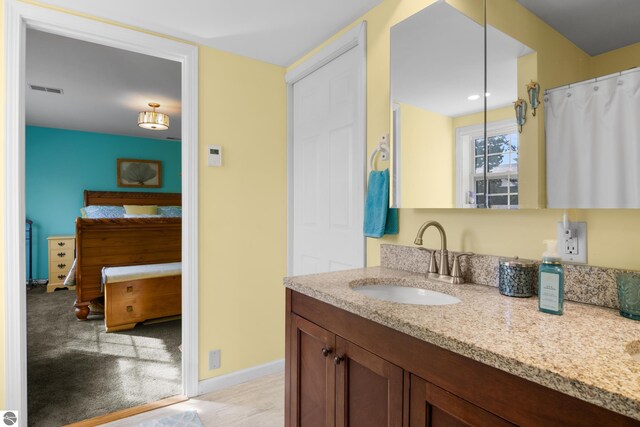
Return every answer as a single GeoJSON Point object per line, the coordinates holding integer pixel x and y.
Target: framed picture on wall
{"type": "Point", "coordinates": [139, 173]}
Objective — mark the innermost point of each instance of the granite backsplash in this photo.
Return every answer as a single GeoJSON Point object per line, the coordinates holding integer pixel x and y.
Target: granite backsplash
{"type": "Point", "coordinates": [583, 283]}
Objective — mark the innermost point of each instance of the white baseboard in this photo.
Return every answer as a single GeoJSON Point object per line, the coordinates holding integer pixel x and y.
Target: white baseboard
{"type": "Point", "coordinates": [239, 377]}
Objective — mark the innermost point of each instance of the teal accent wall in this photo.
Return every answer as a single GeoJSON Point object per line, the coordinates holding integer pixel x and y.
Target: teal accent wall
{"type": "Point", "coordinates": [61, 164]}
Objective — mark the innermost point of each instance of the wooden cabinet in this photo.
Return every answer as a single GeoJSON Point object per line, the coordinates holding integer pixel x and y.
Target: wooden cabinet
{"type": "Point", "coordinates": [431, 406]}
{"type": "Point", "coordinates": [61, 256]}
{"type": "Point", "coordinates": [344, 370]}
{"type": "Point", "coordinates": [337, 383]}
{"type": "Point", "coordinates": [130, 302]}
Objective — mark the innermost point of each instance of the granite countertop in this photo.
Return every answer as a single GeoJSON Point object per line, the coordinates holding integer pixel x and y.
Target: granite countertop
{"type": "Point", "coordinates": [587, 353]}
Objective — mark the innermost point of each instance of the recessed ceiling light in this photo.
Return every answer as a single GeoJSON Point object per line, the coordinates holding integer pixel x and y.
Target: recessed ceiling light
{"type": "Point", "coordinates": [487, 94]}
{"type": "Point", "coordinates": [473, 97]}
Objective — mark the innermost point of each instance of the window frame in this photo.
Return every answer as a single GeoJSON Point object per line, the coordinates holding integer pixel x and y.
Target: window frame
{"type": "Point", "coordinates": [466, 175]}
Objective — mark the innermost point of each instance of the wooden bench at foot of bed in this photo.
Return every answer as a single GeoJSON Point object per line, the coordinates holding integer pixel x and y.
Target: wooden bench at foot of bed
{"type": "Point", "coordinates": [137, 293]}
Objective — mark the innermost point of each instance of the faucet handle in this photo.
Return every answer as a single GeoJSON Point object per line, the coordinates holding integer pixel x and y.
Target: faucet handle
{"type": "Point", "coordinates": [456, 274]}
{"type": "Point", "coordinates": [433, 266]}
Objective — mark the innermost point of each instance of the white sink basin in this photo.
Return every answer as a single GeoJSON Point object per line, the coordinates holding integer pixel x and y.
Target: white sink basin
{"type": "Point", "coordinates": [406, 295]}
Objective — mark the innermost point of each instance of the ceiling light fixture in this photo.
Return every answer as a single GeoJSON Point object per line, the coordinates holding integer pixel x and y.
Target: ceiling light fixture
{"type": "Point", "coordinates": [153, 120]}
{"type": "Point", "coordinates": [473, 97]}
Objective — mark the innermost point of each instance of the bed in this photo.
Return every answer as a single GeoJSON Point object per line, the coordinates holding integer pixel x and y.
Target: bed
{"type": "Point", "coordinates": [104, 242]}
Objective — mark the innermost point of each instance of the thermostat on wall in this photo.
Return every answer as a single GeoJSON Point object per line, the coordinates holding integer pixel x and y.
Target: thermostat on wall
{"type": "Point", "coordinates": [214, 155]}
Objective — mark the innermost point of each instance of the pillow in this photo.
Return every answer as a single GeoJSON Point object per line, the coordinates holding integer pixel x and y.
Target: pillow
{"type": "Point", "coordinates": [71, 275]}
{"type": "Point", "coordinates": [141, 209]}
{"type": "Point", "coordinates": [83, 213]}
{"type": "Point", "coordinates": [102, 211]}
{"type": "Point", "coordinates": [170, 211]}
{"type": "Point", "coordinates": [141, 216]}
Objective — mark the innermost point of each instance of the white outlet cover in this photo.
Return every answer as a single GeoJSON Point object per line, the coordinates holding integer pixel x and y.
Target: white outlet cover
{"type": "Point", "coordinates": [580, 229]}
{"type": "Point", "coordinates": [214, 359]}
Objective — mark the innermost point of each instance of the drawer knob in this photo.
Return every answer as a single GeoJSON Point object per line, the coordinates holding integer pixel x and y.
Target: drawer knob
{"type": "Point", "coordinates": [129, 288]}
{"type": "Point", "coordinates": [61, 254]}
{"type": "Point", "coordinates": [61, 244]}
{"type": "Point", "coordinates": [338, 359]}
{"type": "Point", "coordinates": [326, 351]}
{"type": "Point", "coordinates": [62, 265]}
{"type": "Point", "coordinates": [129, 308]}
{"type": "Point", "coordinates": [61, 276]}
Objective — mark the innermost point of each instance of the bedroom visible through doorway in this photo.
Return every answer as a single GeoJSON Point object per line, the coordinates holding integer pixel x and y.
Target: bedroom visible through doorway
{"type": "Point", "coordinates": [101, 191]}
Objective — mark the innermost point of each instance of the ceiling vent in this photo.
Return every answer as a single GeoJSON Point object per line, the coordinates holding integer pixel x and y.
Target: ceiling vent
{"type": "Point", "coordinates": [46, 89]}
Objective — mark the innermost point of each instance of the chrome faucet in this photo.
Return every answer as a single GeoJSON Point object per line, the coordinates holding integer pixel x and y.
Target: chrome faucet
{"type": "Point", "coordinates": [443, 270]}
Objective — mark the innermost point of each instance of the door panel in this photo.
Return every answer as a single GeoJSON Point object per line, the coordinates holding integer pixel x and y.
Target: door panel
{"type": "Point", "coordinates": [368, 389]}
{"type": "Point", "coordinates": [328, 168]}
{"type": "Point", "coordinates": [312, 375]}
{"type": "Point", "coordinates": [431, 406]}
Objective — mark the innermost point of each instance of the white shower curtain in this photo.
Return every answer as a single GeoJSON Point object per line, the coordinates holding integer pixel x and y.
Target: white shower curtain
{"type": "Point", "coordinates": [593, 143]}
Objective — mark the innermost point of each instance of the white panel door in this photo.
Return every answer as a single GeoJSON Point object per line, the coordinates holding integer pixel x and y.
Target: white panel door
{"type": "Point", "coordinates": [328, 168]}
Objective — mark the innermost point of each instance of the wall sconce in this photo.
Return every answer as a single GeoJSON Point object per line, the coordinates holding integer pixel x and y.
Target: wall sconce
{"type": "Point", "coordinates": [533, 89]}
{"type": "Point", "coordinates": [521, 113]}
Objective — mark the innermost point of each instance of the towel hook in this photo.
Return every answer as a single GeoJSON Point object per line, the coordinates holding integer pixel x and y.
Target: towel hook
{"type": "Point", "coordinates": [382, 149]}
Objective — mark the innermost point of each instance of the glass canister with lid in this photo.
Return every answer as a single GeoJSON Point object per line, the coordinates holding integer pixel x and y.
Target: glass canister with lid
{"type": "Point", "coordinates": [517, 277]}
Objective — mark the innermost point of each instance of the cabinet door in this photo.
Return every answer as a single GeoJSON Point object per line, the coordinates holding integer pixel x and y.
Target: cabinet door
{"type": "Point", "coordinates": [312, 375]}
{"type": "Point", "coordinates": [432, 406]}
{"type": "Point", "coordinates": [368, 388]}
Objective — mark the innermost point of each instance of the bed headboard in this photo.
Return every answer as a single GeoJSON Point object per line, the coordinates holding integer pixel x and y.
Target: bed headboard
{"type": "Point", "coordinates": [119, 198]}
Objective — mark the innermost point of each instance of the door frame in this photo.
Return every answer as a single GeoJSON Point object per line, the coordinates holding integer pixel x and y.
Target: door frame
{"type": "Point", "coordinates": [355, 38]}
{"type": "Point", "coordinates": [18, 17]}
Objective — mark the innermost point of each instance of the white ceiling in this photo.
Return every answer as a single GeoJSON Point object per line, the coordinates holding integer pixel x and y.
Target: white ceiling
{"type": "Point", "coordinates": [595, 26]}
{"type": "Point", "coordinates": [437, 62]}
{"type": "Point", "coordinates": [104, 88]}
{"type": "Point", "coordinates": [275, 31]}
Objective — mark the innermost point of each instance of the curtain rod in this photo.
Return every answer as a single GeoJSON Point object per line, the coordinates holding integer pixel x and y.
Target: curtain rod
{"type": "Point", "coordinates": [597, 79]}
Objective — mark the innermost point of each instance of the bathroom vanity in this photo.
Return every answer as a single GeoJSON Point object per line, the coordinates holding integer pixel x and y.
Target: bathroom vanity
{"type": "Point", "coordinates": [487, 360]}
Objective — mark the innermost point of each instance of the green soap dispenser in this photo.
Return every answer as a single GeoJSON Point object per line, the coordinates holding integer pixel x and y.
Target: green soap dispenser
{"type": "Point", "coordinates": [551, 281]}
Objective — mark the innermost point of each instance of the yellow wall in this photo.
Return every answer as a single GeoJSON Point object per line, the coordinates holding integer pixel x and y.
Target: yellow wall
{"type": "Point", "coordinates": [426, 158]}
{"type": "Point", "coordinates": [615, 60]}
{"type": "Point", "coordinates": [242, 213]}
{"type": "Point", "coordinates": [613, 235]}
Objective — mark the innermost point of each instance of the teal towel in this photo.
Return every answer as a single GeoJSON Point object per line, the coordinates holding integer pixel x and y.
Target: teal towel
{"type": "Point", "coordinates": [378, 218]}
{"type": "Point", "coordinates": [391, 227]}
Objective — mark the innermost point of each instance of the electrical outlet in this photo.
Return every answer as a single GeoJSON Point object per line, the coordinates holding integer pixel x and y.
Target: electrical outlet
{"type": "Point", "coordinates": [572, 242]}
{"type": "Point", "coordinates": [214, 359]}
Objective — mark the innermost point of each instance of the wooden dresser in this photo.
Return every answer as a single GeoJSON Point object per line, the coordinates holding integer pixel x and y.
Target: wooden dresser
{"type": "Point", "coordinates": [61, 255]}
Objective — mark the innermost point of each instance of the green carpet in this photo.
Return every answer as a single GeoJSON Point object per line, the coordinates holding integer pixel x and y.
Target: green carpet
{"type": "Point", "coordinates": [77, 371]}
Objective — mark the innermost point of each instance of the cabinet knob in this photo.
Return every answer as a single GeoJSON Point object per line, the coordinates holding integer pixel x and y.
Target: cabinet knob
{"type": "Point", "coordinates": [61, 254]}
{"type": "Point", "coordinates": [61, 276]}
{"type": "Point", "coordinates": [62, 265]}
{"type": "Point", "coordinates": [326, 351]}
{"type": "Point", "coordinates": [338, 359]}
{"type": "Point", "coordinates": [61, 244]}
{"type": "Point", "coordinates": [129, 308]}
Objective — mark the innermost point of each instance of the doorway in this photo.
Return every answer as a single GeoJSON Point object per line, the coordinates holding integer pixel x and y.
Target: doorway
{"type": "Point", "coordinates": [19, 17]}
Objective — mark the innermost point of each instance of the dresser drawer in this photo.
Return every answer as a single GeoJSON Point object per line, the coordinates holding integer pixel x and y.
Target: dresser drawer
{"type": "Point", "coordinates": [62, 243]}
{"type": "Point", "coordinates": [57, 277]}
{"type": "Point", "coordinates": [62, 266]}
{"type": "Point", "coordinates": [60, 255]}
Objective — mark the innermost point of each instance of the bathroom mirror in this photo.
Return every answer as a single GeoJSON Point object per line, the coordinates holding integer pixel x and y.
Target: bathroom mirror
{"type": "Point", "coordinates": [584, 157]}
{"type": "Point", "coordinates": [437, 100]}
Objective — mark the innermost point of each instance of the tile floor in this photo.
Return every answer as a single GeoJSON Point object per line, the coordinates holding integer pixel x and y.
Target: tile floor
{"type": "Point", "coordinates": [258, 403]}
